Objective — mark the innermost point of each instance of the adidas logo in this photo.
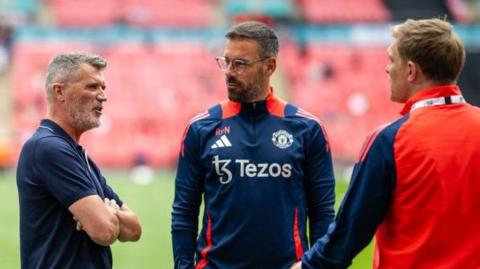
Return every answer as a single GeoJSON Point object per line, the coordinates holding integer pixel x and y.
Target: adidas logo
{"type": "Point", "coordinates": [222, 142]}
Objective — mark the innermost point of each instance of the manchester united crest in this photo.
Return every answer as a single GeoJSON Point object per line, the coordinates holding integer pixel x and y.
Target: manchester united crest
{"type": "Point", "coordinates": [282, 139]}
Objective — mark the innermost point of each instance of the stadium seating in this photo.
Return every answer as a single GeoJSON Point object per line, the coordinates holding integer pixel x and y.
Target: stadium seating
{"type": "Point", "coordinates": [17, 12]}
{"type": "Point", "coordinates": [345, 87]}
{"type": "Point", "coordinates": [79, 13]}
{"type": "Point", "coordinates": [185, 13]}
{"type": "Point", "coordinates": [135, 12]}
{"type": "Point", "coordinates": [162, 71]}
{"type": "Point", "coordinates": [273, 8]}
{"type": "Point", "coordinates": [345, 11]}
{"type": "Point", "coordinates": [153, 90]}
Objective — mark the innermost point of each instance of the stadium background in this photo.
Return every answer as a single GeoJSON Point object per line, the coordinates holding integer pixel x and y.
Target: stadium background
{"type": "Point", "coordinates": [162, 72]}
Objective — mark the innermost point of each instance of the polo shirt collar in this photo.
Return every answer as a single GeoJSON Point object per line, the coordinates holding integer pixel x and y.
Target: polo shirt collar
{"type": "Point", "coordinates": [432, 92]}
{"type": "Point", "coordinates": [57, 130]}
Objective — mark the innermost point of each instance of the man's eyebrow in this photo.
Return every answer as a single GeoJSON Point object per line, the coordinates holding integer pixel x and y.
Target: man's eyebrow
{"type": "Point", "coordinates": [96, 83]}
{"type": "Point", "coordinates": [236, 59]}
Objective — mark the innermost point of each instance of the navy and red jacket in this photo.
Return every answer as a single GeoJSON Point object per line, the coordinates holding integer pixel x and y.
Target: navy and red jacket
{"type": "Point", "coordinates": [416, 187]}
{"type": "Point", "coordinates": [262, 168]}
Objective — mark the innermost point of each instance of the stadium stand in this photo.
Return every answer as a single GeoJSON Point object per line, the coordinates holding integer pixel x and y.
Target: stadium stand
{"type": "Point", "coordinates": [162, 70]}
{"type": "Point", "coordinates": [150, 13]}
{"type": "Point", "coordinates": [414, 9]}
{"type": "Point", "coordinates": [70, 13]}
{"type": "Point", "coordinates": [18, 12]}
{"type": "Point", "coordinates": [345, 11]}
{"type": "Point", "coordinates": [153, 90]}
{"type": "Point", "coordinates": [185, 13]}
{"type": "Point", "coordinates": [343, 85]}
{"type": "Point", "coordinates": [272, 8]}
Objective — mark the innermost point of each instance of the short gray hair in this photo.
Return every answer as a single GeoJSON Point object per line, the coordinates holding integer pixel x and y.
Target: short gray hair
{"type": "Point", "coordinates": [63, 66]}
{"type": "Point", "coordinates": [264, 35]}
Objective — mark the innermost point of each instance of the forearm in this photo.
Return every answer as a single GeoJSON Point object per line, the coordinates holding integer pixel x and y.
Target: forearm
{"type": "Point", "coordinates": [184, 235]}
{"type": "Point", "coordinates": [129, 225]}
{"type": "Point", "coordinates": [318, 225]}
{"type": "Point", "coordinates": [97, 219]}
{"type": "Point", "coordinates": [184, 244]}
{"type": "Point", "coordinates": [107, 235]}
{"type": "Point", "coordinates": [321, 211]}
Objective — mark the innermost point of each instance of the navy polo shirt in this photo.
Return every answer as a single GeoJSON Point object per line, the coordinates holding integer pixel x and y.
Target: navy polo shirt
{"type": "Point", "coordinates": [54, 172]}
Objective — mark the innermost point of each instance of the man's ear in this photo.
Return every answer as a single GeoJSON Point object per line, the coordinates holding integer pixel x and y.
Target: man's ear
{"type": "Point", "coordinates": [58, 91]}
{"type": "Point", "coordinates": [271, 64]}
{"type": "Point", "coordinates": [413, 70]}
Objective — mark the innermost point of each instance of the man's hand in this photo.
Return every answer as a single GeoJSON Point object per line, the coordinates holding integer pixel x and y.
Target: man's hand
{"type": "Point", "coordinates": [297, 265]}
{"type": "Point", "coordinates": [111, 205]}
{"type": "Point", "coordinates": [79, 226]}
{"type": "Point", "coordinates": [130, 228]}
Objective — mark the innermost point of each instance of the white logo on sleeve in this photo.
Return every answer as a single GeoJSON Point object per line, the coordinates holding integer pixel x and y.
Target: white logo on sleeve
{"type": "Point", "coordinates": [222, 142]}
{"type": "Point", "coordinates": [282, 139]}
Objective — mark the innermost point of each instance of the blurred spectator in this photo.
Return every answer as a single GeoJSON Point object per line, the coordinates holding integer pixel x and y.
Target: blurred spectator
{"type": "Point", "coordinates": [141, 172]}
{"type": "Point", "coordinates": [5, 45]}
{"type": "Point", "coordinates": [465, 11]}
{"type": "Point", "coordinates": [474, 7]}
{"type": "Point", "coordinates": [319, 71]}
{"type": "Point", "coordinates": [4, 154]}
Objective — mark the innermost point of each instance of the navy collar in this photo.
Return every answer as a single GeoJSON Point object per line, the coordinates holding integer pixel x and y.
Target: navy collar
{"type": "Point", "coordinates": [57, 130]}
{"type": "Point", "coordinates": [254, 108]}
{"type": "Point", "coordinates": [271, 105]}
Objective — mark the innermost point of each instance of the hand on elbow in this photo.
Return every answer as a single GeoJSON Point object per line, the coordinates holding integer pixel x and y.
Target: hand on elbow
{"type": "Point", "coordinates": [132, 235]}
{"type": "Point", "coordinates": [107, 233]}
{"type": "Point", "coordinates": [136, 233]}
{"type": "Point", "coordinates": [131, 232]}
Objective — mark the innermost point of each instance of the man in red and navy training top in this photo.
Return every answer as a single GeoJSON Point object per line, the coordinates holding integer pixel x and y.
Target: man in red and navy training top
{"type": "Point", "coordinates": [417, 183]}
{"type": "Point", "coordinates": [262, 166]}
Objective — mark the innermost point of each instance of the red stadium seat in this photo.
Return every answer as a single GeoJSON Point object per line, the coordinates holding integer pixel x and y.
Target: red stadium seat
{"type": "Point", "coordinates": [344, 11]}
{"type": "Point", "coordinates": [351, 99]}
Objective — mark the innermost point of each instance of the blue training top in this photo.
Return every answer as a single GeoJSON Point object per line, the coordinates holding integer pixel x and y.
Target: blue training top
{"type": "Point", "coordinates": [263, 168]}
{"type": "Point", "coordinates": [54, 172]}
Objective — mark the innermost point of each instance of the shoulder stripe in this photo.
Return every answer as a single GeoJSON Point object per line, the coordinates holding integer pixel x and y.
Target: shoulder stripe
{"type": "Point", "coordinates": [185, 131]}
{"type": "Point", "coordinates": [369, 141]}
{"type": "Point", "coordinates": [305, 114]}
{"type": "Point", "coordinates": [199, 117]}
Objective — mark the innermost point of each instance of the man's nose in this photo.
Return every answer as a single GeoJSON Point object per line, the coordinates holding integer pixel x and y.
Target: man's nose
{"type": "Point", "coordinates": [229, 71]}
{"type": "Point", "coordinates": [102, 96]}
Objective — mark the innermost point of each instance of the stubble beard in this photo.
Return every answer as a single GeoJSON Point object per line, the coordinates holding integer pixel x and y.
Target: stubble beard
{"type": "Point", "coordinates": [83, 118]}
{"type": "Point", "coordinates": [246, 93]}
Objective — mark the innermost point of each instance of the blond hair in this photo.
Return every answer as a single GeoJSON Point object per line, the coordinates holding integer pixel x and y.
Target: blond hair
{"type": "Point", "coordinates": [433, 45]}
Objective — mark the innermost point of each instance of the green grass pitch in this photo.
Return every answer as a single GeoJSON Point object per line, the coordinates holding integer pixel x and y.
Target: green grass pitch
{"type": "Point", "coordinates": [151, 202]}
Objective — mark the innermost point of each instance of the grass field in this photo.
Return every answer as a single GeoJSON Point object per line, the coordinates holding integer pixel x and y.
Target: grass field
{"type": "Point", "coordinates": [153, 205]}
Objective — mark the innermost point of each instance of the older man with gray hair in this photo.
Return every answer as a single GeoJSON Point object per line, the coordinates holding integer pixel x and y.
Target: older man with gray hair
{"type": "Point", "coordinates": [69, 216]}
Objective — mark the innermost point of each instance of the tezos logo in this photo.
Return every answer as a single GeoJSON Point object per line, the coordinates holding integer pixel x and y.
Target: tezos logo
{"type": "Point", "coordinates": [282, 139]}
{"type": "Point", "coordinates": [222, 171]}
{"type": "Point", "coordinates": [248, 169]}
